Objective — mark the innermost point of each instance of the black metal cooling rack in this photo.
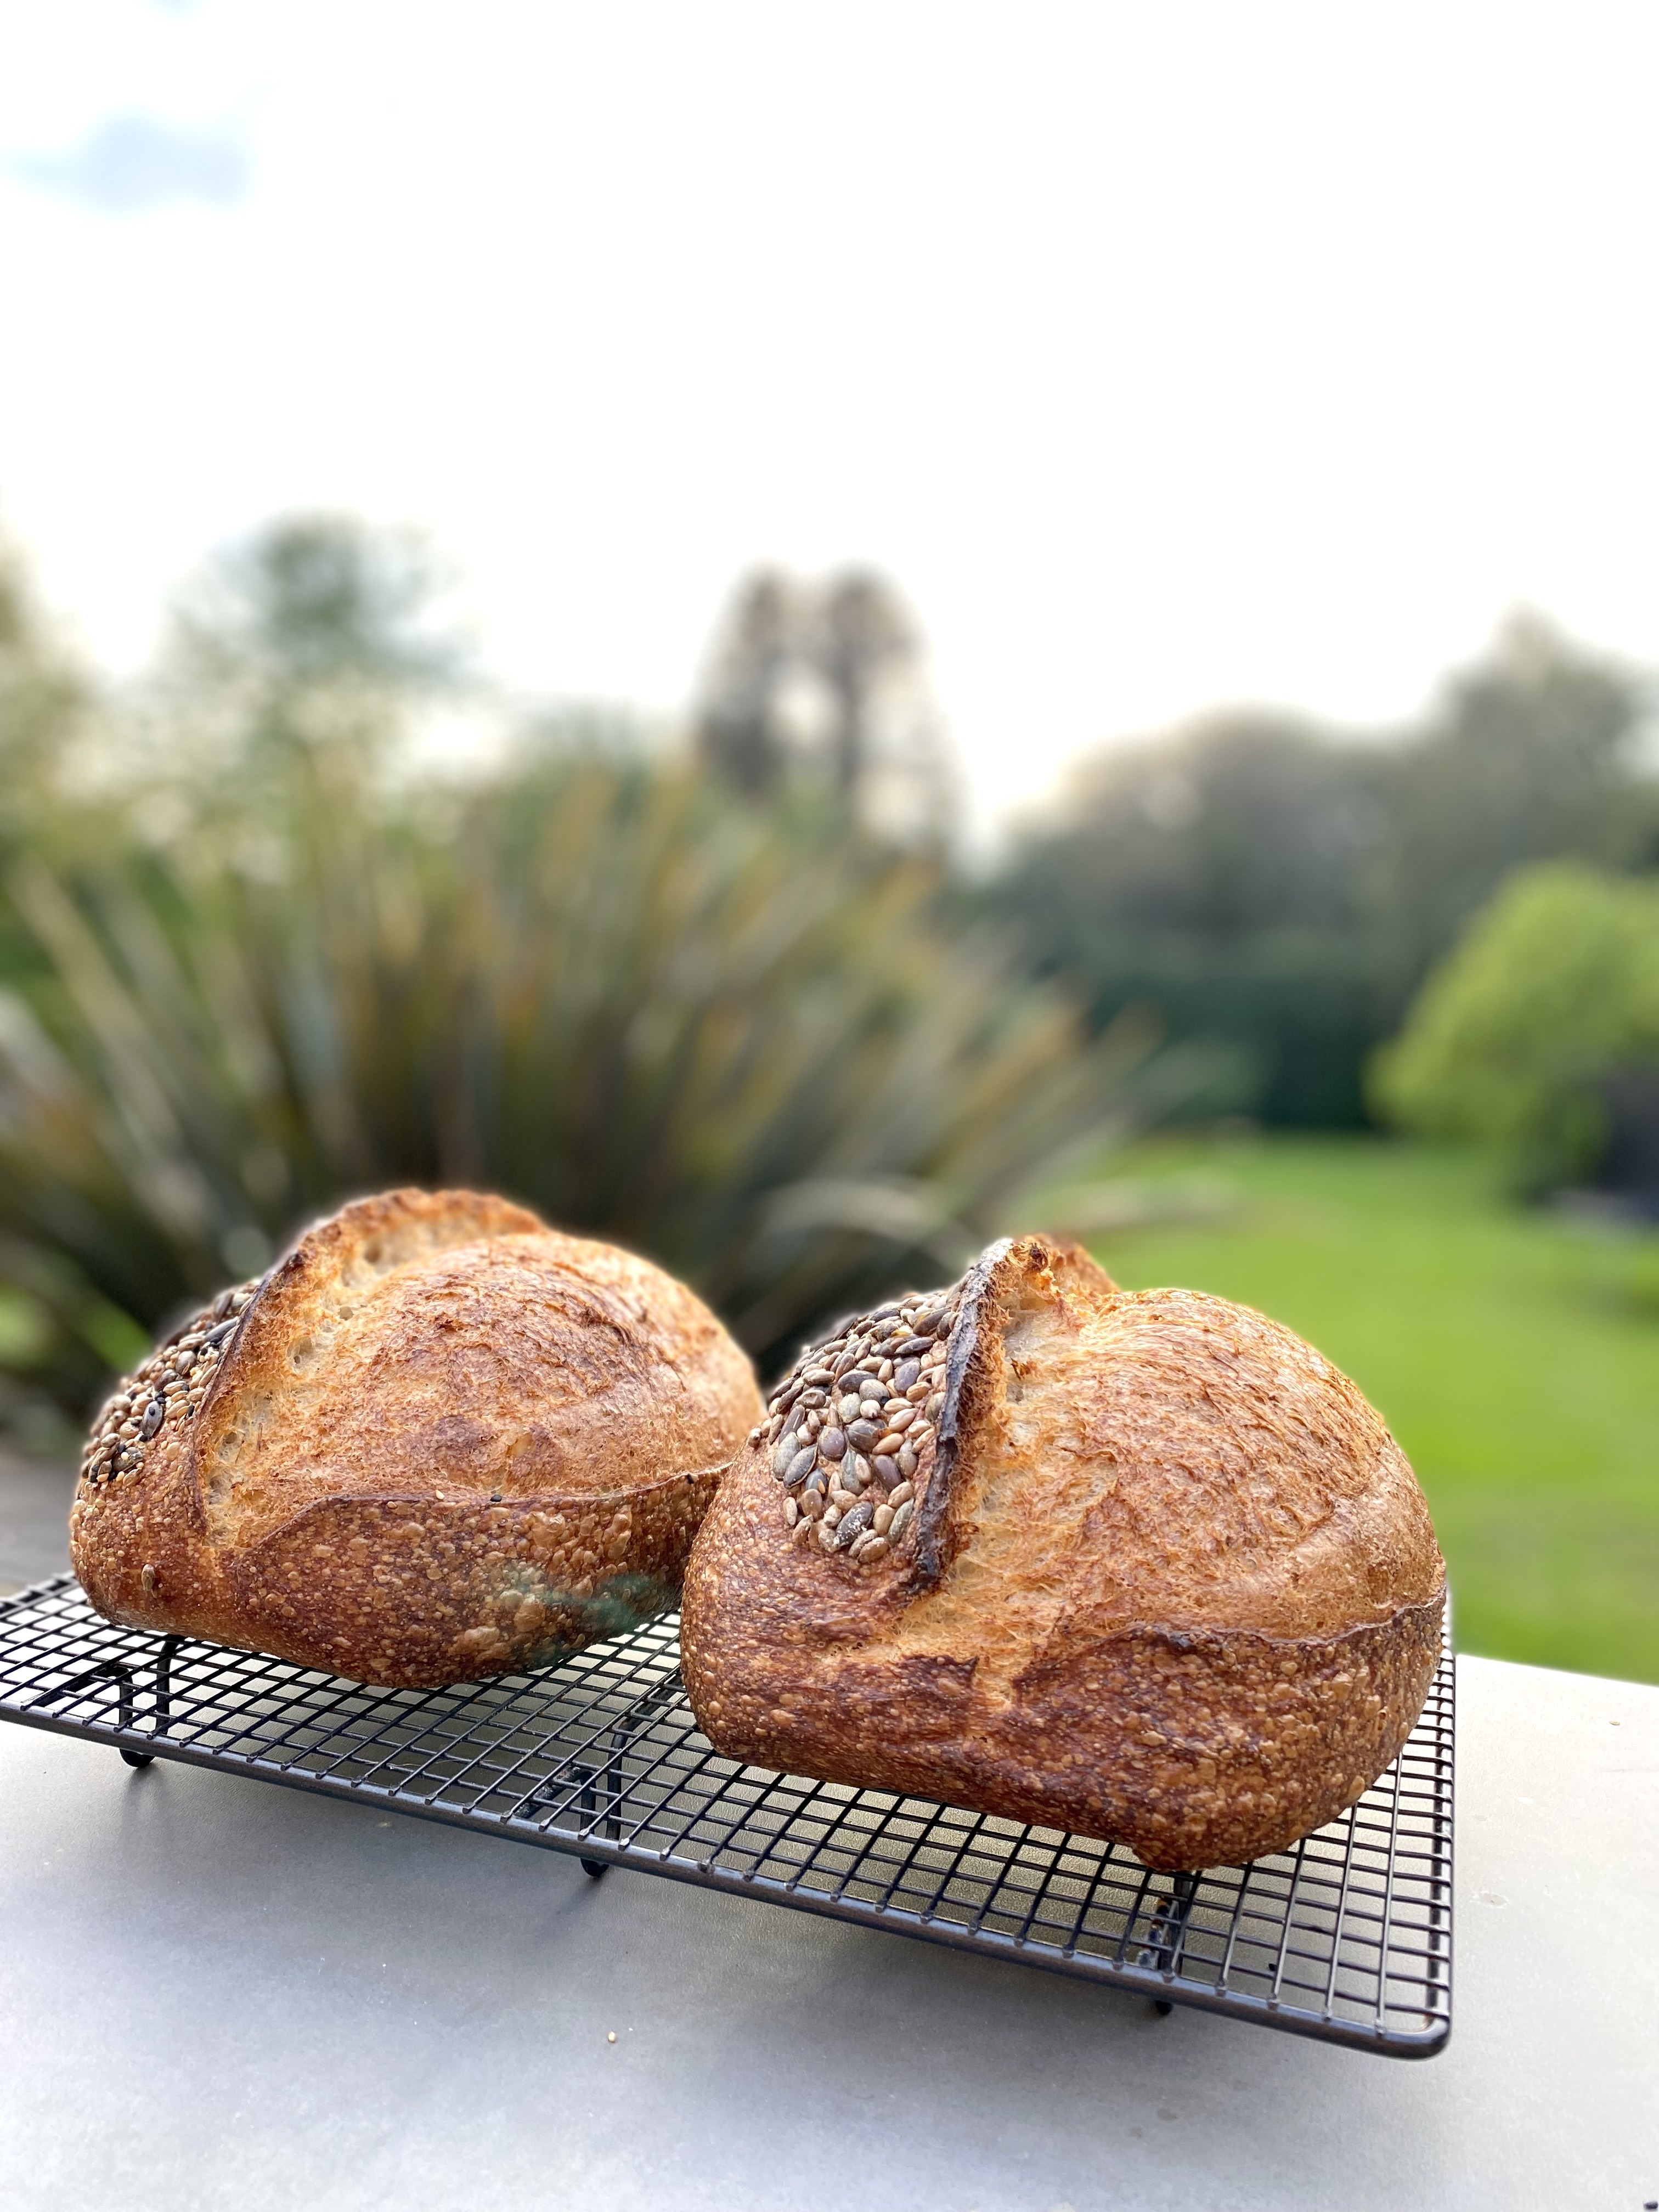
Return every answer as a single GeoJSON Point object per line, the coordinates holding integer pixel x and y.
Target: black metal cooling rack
{"type": "Point", "coordinates": [1347, 1937]}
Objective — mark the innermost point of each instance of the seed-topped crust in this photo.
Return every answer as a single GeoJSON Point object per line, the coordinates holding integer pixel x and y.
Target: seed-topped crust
{"type": "Point", "coordinates": [438, 1441]}
{"type": "Point", "coordinates": [853, 1430]}
{"type": "Point", "coordinates": [1165, 1576]}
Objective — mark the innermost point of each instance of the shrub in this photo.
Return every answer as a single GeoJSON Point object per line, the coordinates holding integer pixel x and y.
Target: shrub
{"type": "Point", "coordinates": [739, 1041]}
{"type": "Point", "coordinates": [1553, 988]}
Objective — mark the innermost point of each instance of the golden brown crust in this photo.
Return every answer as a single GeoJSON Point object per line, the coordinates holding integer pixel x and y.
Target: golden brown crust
{"type": "Point", "coordinates": [1167, 1579]}
{"type": "Point", "coordinates": [441, 1442]}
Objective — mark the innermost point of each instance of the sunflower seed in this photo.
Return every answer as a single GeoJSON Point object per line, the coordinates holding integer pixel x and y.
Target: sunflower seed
{"type": "Point", "coordinates": [832, 1444]}
{"type": "Point", "coordinates": [901, 1521]}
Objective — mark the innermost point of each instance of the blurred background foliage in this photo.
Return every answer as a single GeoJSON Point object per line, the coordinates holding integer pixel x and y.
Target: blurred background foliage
{"type": "Point", "coordinates": [739, 1000]}
{"type": "Point", "coordinates": [1288, 887]}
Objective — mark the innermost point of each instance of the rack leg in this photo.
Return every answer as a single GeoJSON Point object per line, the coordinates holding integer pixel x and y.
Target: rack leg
{"type": "Point", "coordinates": [597, 1868]}
{"type": "Point", "coordinates": [1169, 1925]}
{"type": "Point", "coordinates": [124, 1700]}
{"type": "Point", "coordinates": [163, 1706]}
{"type": "Point", "coordinates": [606, 1778]}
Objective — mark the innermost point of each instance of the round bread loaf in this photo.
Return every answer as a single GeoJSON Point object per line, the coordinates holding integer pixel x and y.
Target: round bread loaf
{"type": "Point", "coordinates": [437, 1441]}
{"type": "Point", "coordinates": [1140, 1565]}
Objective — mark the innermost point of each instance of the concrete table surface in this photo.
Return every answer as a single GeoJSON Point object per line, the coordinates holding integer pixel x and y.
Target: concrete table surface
{"type": "Point", "coordinates": [34, 1506]}
{"type": "Point", "coordinates": [214, 1992]}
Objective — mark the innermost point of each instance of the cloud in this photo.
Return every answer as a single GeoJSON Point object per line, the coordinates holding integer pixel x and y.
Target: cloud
{"type": "Point", "coordinates": [131, 162]}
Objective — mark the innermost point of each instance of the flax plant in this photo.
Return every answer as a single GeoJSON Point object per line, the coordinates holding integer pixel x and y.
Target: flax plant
{"type": "Point", "coordinates": [735, 1039]}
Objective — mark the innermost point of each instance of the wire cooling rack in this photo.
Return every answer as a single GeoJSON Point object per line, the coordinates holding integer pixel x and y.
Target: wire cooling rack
{"type": "Point", "coordinates": [1347, 1937]}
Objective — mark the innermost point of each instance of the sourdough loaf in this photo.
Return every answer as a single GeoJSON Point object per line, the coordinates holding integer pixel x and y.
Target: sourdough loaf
{"type": "Point", "coordinates": [437, 1441]}
{"type": "Point", "coordinates": [1140, 1565]}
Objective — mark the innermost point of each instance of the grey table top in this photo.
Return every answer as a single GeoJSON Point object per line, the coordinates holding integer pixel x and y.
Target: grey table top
{"type": "Point", "coordinates": [34, 1504]}
{"type": "Point", "coordinates": [217, 1993]}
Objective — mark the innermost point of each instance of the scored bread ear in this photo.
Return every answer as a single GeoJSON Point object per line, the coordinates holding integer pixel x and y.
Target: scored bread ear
{"type": "Point", "coordinates": [1012, 1281]}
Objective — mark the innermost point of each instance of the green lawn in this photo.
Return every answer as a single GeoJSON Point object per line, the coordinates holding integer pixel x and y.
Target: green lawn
{"type": "Point", "coordinates": [1515, 1355]}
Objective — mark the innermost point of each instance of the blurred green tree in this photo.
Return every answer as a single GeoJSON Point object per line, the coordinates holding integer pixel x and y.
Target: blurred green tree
{"type": "Point", "coordinates": [1552, 991]}
{"type": "Point", "coordinates": [298, 664]}
{"type": "Point", "coordinates": [1217, 874]}
{"type": "Point", "coordinates": [1531, 754]}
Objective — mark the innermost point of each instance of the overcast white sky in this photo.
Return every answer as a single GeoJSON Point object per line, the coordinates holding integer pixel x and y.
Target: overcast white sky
{"type": "Point", "coordinates": [1163, 354]}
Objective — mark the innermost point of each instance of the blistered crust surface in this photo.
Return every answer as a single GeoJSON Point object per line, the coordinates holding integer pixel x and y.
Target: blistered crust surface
{"type": "Point", "coordinates": [441, 1442]}
{"type": "Point", "coordinates": [1170, 1581]}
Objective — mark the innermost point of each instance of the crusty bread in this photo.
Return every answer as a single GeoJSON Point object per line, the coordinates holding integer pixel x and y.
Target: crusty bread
{"type": "Point", "coordinates": [1140, 1565]}
{"type": "Point", "coordinates": [438, 1441]}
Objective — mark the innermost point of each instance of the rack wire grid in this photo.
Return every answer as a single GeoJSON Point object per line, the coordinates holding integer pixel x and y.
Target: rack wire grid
{"type": "Point", "coordinates": [1347, 1936]}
